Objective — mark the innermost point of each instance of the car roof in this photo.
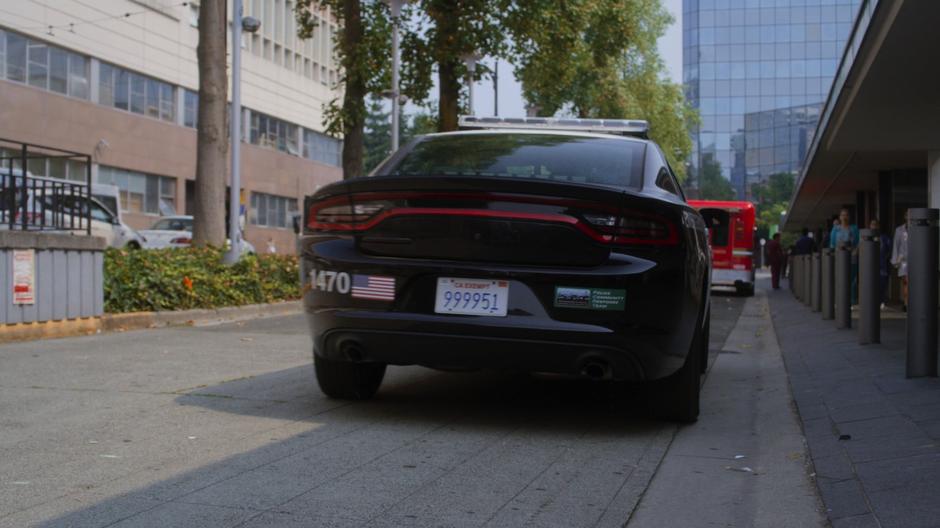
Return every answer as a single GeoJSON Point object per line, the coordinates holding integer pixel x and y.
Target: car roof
{"type": "Point", "coordinates": [176, 217]}
{"type": "Point", "coordinates": [534, 131]}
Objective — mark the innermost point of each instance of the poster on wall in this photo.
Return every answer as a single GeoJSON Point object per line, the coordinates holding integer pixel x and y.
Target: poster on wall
{"type": "Point", "coordinates": [24, 276]}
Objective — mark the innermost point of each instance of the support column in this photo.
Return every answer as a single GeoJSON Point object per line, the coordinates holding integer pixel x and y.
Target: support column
{"type": "Point", "coordinates": [816, 282]}
{"type": "Point", "coordinates": [808, 280]}
{"type": "Point", "coordinates": [869, 286]}
{"type": "Point", "coordinates": [922, 302]}
{"type": "Point", "coordinates": [933, 179]}
{"type": "Point", "coordinates": [843, 299]}
{"type": "Point", "coordinates": [827, 295]}
{"type": "Point", "coordinates": [798, 277]}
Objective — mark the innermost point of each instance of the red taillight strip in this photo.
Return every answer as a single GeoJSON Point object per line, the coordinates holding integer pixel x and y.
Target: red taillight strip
{"type": "Point", "coordinates": [487, 213]}
{"type": "Point", "coordinates": [483, 196]}
{"type": "Point", "coordinates": [578, 223]}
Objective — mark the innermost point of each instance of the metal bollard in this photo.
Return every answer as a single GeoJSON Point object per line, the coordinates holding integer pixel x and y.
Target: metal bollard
{"type": "Point", "coordinates": [828, 282]}
{"type": "Point", "coordinates": [815, 288]}
{"type": "Point", "coordinates": [802, 282]}
{"type": "Point", "coordinates": [808, 280]}
{"type": "Point", "coordinates": [869, 287]}
{"type": "Point", "coordinates": [843, 298]}
{"type": "Point", "coordinates": [922, 260]}
{"type": "Point", "coordinates": [797, 275]}
{"type": "Point", "coordinates": [791, 274]}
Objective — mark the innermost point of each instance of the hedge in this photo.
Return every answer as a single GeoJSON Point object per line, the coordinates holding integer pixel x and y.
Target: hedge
{"type": "Point", "coordinates": [186, 278]}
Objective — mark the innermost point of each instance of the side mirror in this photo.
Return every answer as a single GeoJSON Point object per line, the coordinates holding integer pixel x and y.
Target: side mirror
{"type": "Point", "coordinates": [295, 220]}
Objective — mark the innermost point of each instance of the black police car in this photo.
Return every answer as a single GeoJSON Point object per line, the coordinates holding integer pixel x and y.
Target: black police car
{"type": "Point", "coordinates": [546, 245]}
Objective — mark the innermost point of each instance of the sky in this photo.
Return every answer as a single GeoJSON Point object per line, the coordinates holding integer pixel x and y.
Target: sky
{"type": "Point", "coordinates": [511, 103]}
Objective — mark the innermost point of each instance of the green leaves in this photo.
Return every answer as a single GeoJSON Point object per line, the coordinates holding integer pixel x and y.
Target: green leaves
{"type": "Point", "coordinates": [182, 279]}
{"type": "Point", "coordinates": [598, 58]}
{"type": "Point", "coordinates": [591, 58]}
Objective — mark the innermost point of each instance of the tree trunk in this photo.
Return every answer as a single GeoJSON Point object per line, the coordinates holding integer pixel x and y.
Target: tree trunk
{"type": "Point", "coordinates": [448, 65]}
{"type": "Point", "coordinates": [212, 140]}
{"type": "Point", "coordinates": [354, 107]}
{"type": "Point", "coordinates": [448, 95]}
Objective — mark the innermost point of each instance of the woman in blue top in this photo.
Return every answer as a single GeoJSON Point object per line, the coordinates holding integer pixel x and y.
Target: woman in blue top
{"type": "Point", "coordinates": [845, 234]}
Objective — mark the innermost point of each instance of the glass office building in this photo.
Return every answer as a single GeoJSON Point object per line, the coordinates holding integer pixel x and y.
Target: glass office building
{"type": "Point", "coordinates": [758, 71]}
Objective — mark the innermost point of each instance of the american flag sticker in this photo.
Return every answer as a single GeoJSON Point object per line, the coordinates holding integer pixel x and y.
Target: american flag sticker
{"type": "Point", "coordinates": [373, 287]}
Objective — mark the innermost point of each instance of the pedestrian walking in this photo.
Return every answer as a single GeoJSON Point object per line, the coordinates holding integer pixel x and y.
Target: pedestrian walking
{"type": "Point", "coordinates": [884, 261]}
{"type": "Point", "coordinates": [845, 234]}
{"type": "Point", "coordinates": [805, 245]}
{"type": "Point", "coordinates": [775, 258]}
{"type": "Point", "coordinates": [899, 255]}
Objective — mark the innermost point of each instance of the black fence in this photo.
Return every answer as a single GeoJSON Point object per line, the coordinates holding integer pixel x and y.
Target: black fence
{"type": "Point", "coordinates": [31, 200]}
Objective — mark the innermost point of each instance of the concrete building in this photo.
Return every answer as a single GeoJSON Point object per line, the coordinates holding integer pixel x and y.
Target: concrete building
{"type": "Point", "coordinates": [758, 72]}
{"type": "Point", "coordinates": [118, 79]}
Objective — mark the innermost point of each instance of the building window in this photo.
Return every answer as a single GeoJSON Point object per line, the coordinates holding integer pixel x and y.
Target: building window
{"type": "Point", "coordinates": [43, 66]}
{"type": "Point", "coordinates": [268, 131]}
{"type": "Point", "coordinates": [141, 193]}
{"type": "Point", "coordinates": [137, 93]}
{"type": "Point", "coordinates": [190, 108]}
{"type": "Point", "coordinates": [48, 167]}
{"type": "Point", "coordinates": [268, 210]}
{"type": "Point", "coordinates": [322, 148]}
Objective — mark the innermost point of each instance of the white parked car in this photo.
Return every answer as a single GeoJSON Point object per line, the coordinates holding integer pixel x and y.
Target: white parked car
{"type": "Point", "coordinates": [176, 232]}
{"type": "Point", "coordinates": [61, 211]}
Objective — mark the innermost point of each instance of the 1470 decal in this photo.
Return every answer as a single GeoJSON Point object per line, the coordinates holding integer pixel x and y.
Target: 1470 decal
{"type": "Point", "coordinates": [330, 281]}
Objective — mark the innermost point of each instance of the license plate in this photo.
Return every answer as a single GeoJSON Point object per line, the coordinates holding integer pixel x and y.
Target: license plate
{"type": "Point", "coordinates": [471, 296]}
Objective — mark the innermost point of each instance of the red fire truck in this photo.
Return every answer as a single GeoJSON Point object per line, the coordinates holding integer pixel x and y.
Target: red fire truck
{"type": "Point", "coordinates": [731, 234]}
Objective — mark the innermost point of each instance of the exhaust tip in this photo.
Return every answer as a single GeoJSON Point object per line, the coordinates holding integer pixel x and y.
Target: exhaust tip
{"type": "Point", "coordinates": [596, 369]}
{"type": "Point", "coordinates": [351, 350]}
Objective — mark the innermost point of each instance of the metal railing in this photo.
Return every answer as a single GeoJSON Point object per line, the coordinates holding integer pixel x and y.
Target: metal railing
{"type": "Point", "coordinates": [30, 202]}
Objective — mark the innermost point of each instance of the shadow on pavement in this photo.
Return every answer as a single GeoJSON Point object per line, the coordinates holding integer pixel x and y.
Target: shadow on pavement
{"type": "Point", "coordinates": [438, 422]}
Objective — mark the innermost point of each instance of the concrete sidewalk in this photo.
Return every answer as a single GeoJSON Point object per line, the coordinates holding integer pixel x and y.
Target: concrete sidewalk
{"type": "Point", "coordinates": [874, 436]}
{"type": "Point", "coordinates": [744, 463]}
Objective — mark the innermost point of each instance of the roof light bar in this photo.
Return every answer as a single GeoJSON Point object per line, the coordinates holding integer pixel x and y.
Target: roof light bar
{"type": "Point", "coordinates": [627, 127]}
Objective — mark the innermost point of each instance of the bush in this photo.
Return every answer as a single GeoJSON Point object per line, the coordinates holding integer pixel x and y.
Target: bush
{"type": "Point", "coordinates": [182, 279]}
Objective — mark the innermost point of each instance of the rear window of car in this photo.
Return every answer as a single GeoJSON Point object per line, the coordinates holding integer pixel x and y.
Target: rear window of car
{"type": "Point", "coordinates": [580, 159]}
{"type": "Point", "coordinates": [173, 224]}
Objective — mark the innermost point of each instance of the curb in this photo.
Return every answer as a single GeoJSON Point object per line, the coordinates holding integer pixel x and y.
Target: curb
{"type": "Point", "coordinates": [124, 322]}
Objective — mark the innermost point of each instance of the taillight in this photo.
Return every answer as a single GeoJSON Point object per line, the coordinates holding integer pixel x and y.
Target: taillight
{"type": "Point", "coordinates": [634, 228]}
{"type": "Point", "coordinates": [360, 212]}
{"type": "Point", "coordinates": [342, 214]}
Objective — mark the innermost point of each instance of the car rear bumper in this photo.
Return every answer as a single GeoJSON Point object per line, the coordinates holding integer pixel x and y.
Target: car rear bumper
{"type": "Point", "coordinates": [647, 338]}
{"type": "Point", "coordinates": [470, 352]}
{"type": "Point", "coordinates": [728, 277]}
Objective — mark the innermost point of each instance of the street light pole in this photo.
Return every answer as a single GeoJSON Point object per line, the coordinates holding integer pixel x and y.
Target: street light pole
{"type": "Point", "coordinates": [496, 88]}
{"type": "Point", "coordinates": [251, 25]}
{"type": "Point", "coordinates": [470, 59]}
{"type": "Point", "coordinates": [395, 8]}
{"type": "Point", "coordinates": [235, 127]}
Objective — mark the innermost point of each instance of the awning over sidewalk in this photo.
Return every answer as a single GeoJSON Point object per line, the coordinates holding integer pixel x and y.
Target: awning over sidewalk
{"type": "Point", "coordinates": [883, 111]}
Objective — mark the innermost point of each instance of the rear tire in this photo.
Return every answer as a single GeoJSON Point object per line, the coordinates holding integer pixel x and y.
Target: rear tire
{"type": "Point", "coordinates": [676, 397]}
{"type": "Point", "coordinates": [345, 380]}
{"type": "Point", "coordinates": [746, 290]}
{"type": "Point", "coordinates": [706, 331]}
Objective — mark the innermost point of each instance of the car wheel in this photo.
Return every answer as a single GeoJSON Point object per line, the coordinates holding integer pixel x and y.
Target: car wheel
{"type": "Point", "coordinates": [133, 245]}
{"type": "Point", "coordinates": [746, 290]}
{"type": "Point", "coordinates": [677, 396]}
{"type": "Point", "coordinates": [346, 380]}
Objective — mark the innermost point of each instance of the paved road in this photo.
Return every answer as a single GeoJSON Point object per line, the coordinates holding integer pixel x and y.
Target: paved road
{"type": "Point", "coordinates": [224, 426]}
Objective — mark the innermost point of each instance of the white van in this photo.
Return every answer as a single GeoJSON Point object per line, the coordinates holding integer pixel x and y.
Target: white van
{"type": "Point", "coordinates": [68, 210]}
